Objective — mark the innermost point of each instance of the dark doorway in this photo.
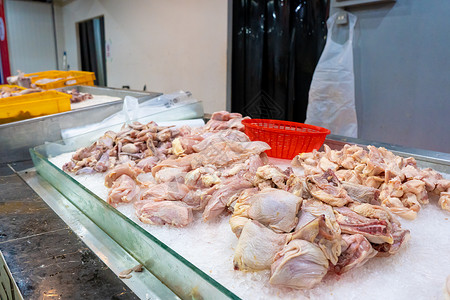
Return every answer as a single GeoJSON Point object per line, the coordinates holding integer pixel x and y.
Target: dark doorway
{"type": "Point", "coordinates": [276, 46]}
{"type": "Point", "coordinates": [92, 48]}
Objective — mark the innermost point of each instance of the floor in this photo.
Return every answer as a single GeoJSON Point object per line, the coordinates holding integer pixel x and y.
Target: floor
{"type": "Point", "coordinates": [46, 258]}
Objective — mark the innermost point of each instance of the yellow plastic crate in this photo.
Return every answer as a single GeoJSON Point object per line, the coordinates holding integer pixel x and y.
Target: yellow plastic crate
{"type": "Point", "coordinates": [33, 105]}
{"type": "Point", "coordinates": [68, 78]}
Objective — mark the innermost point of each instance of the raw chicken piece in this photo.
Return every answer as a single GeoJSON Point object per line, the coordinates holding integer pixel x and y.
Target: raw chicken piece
{"type": "Point", "coordinates": [202, 177]}
{"type": "Point", "coordinates": [130, 149]}
{"type": "Point", "coordinates": [219, 199]}
{"type": "Point", "coordinates": [400, 197]}
{"type": "Point", "coordinates": [312, 209]}
{"type": "Point", "coordinates": [396, 206]}
{"type": "Point", "coordinates": [185, 144]}
{"type": "Point", "coordinates": [348, 163]}
{"type": "Point", "coordinates": [373, 181]}
{"type": "Point", "coordinates": [271, 176]}
{"type": "Point", "coordinates": [125, 168]}
{"type": "Point", "coordinates": [361, 193]}
{"type": "Point", "coordinates": [349, 176]}
{"type": "Point", "coordinates": [373, 168]}
{"type": "Point", "coordinates": [307, 158]}
{"type": "Point", "coordinates": [416, 187]}
{"type": "Point", "coordinates": [333, 156]}
{"type": "Point", "coordinates": [327, 188]}
{"type": "Point", "coordinates": [124, 189]}
{"type": "Point", "coordinates": [400, 236]}
{"type": "Point", "coordinates": [170, 175]}
{"type": "Point", "coordinates": [104, 163]}
{"type": "Point", "coordinates": [183, 163]}
{"type": "Point", "coordinates": [356, 251]}
{"type": "Point", "coordinates": [276, 209]}
{"type": "Point", "coordinates": [411, 172]}
{"type": "Point", "coordinates": [393, 188]}
{"type": "Point", "coordinates": [169, 191]}
{"type": "Point", "coordinates": [354, 151]}
{"type": "Point", "coordinates": [198, 198]}
{"type": "Point", "coordinates": [442, 185]}
{"type": "Point", "coordinates": [224, 115]}
{"type": "Point", "coordinates": [94, 152]}
{"type": "Point", "coordinates": [325, 164]}
{"type": "Point", "coordinates": [237, 223]}
{"type": "Point", "coordinates": [375, 163]}
{"type": "Point", "coordinates": [240, 216]}
{"type": "Point", "coordinates": [224, 120]}
{"type": "Point", "coordinates": [164, 135]}
{"type": "Point", "coordinates": [444, 201]}
{"type": "Point", "coordinates": [375, 212]}
{"type": "Point", "coordinates": [257, 247]}
{"type": "Point", "coordinates": [226, 153]}
{"type": "Point", "coordinates": [78, 96]}
{"type": "Point", "coordinates": [376, 231]}
{"type": "Point", "coordinates": [214, 125]}
{"type": "Point", "coordinates": [241, 197]}
{"type": "Point", "coordinates": [246, 169]}
{"type": "Point", "coordinates": [107, 140]}
{"type": "Point", "coordinates": [147, 163]}
{"type": "Point", "coordinates": [322, 233]}
{"type": "Point", "coordinates": [85, 170]}
{"type": "Point", "coordinates": [410, 201]}
{"type": "Point", "coordinates": [297, 186]}
{"type": "Point", "coordinates": [429, 176]}
{"type": "Point", "coordinates": [174, 213]}
{"type": "Point", "coordinates": [311, 170]}
{"type": "Point", "coordinates": [300, 265]}
{"type": "Point", "coordinates": [221, 136]}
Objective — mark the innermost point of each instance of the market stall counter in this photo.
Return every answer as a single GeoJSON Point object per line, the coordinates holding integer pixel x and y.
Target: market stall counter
{"type": "Point", "coordinates": [46, 258]}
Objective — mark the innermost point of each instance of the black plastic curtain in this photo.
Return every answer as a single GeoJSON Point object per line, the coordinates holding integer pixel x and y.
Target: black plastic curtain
{"type": "Point", "coordinates": [276, 46]}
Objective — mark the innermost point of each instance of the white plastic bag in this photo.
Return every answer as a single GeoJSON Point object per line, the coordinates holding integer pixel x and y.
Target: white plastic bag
{"type": "Point", "coordinates": [168, 107]}
{"type": "Point", "coordinates": [332, 93]}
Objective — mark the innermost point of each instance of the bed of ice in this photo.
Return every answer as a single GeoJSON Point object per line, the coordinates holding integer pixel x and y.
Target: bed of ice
{"type": "Point", "coordinates": [418, 271]}
{"type": "Point", "coordinates": [97, 99]}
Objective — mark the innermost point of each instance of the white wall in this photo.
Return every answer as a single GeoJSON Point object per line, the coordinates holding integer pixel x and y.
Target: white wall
{"type": "Point", "coordinates": [167, 45]}
{"type": "Point", "coordinates": [31, 40]}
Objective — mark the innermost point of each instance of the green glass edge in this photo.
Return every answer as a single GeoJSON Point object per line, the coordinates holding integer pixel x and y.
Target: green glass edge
{"type": "Point", "coordinates": [35, 154]}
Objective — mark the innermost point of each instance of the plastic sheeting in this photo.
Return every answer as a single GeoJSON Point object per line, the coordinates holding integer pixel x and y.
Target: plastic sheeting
{"type": "Point", "coordinates": [332, 93]}
{"type": "Point", "coordinates": [276, 46]}
{"type": "Point", "coordinates": [168, 107]}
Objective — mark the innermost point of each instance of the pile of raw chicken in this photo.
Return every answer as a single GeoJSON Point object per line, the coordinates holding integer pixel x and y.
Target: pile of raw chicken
{"type": "Point", "coordinates": [331, 219]}
{"type": "Point", "coordinates": [6, 91]}
{"type": "Point", "coordinates": [77, 96]}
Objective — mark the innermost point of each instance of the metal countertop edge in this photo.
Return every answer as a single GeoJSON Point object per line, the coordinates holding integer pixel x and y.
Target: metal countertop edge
{"type": "Point", "coordinates": [145, 285]}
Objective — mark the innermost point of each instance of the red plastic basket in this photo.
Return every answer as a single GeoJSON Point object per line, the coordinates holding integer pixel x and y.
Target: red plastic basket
{"type": "Point", "coordinates": [287, 139]}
